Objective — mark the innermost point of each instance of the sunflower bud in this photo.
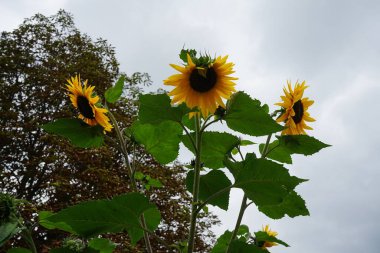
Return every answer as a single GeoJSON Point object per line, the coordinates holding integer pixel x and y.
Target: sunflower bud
{"type": "Point", "coordinates": [8, 208]}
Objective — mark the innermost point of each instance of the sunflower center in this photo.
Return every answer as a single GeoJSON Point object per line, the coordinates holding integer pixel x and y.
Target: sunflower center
{"type": "Point", "coordinates": [203, 81]}
{"type": "Point", "coordinates": [298, 109]}
{"type": "Point", "coordinates": [85, 108]}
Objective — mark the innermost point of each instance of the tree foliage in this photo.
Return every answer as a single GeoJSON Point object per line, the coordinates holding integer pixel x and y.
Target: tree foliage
{"type": "Point", "coordinates": [35, 60]}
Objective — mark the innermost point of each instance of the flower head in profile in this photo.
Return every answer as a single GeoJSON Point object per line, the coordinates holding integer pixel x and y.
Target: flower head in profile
{"type": "Point", "coordinates": [267, 244]}
{"type": "Point", "coordinates": [83, 98]}
{"type": "Point", "coordinates": [202, 83]}
{"type": "Point", "coordinates": [295, 106]}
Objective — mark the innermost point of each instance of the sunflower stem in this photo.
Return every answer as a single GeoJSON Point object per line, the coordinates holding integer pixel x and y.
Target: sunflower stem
{"type": "Point", "coordinates": [243, 207]}
{"type": "Point", "coordinates": [197, 169]}
{"type": "Point", "coordinates": [189, 135]}
{"type": "Point", "coordinates": [266, 147]}
{"type": "Point", "coordinates": [206, 125]}
{"type": "Point", "coordinates": [130, 170]}
{"type": "Point", "coordinates": [27, 236]}
{"type": "Point", "coordinates": [244, 204]}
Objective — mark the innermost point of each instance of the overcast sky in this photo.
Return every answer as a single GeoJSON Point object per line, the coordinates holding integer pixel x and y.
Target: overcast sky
{"type": "Point", "coordinates": [333, 45]}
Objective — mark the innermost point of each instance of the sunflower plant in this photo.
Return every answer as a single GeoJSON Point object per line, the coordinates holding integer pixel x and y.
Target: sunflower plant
{"type": "Point", "coordinates": [203, 96]}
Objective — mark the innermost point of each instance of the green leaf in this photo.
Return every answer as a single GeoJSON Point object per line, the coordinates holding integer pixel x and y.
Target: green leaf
{"type": "Point", "coordinates": [211, 183]}
{"type": "Point", "coordinates": [113, 93]}
{"type": "Point", "coordinates": [277, 152]}
{"type": "Point", "coordinates": [265, 108]}
{"type": "Point", "coordinates": [243, 233]}
{"type": "Point", "coordinates": [286, 145]}
{"type": "Point", "coordinates": [215, 146]}
{"type": "Point", "coordinates": [139, 175]}
{"type": "Point", "coordinates": [152, 218]}
{"type": "Point", "coordinates": [102, 245]}
{"type": "Point", "coordinates": [293, 205]}
{"type": "Point", "coordinates": [235, 151]}
{"type": "Point", "coordinates": [155, 109]}
{"type": "Point", "coordinates": [161, 141]}
{"type": "Point", "coordinates": [246, 116]}
{"type": "Point", "coordinates": [189, 123]}
{"type": "Point", "coordinates": [135, 235]}
{"type": "Point", "coordinates": [301, 144]}
{"type": "Point", "coordinates": [45, 222]}
{"type": "Point", "coordinates": [184, 52]}
{"type": "Point", "coordinates": [19, 250]}
{"type": "Point", "coordinates": [233, 167]}
{"type": "Point", "coordinates": [243, 247]}
{"type": "Point", "coordinates": [79, 133]}
{"type": "Point", "coordinates": [154, 182]}
{"type": "Point", "coordinates": [265, 182]}
{"type": "Point", "coordinates": [7, 230]}
{"type": "Point", "coordinates": [121, 213]}
{"type": "Point", "coordinates": [246, 142]}
{"type": "Point", "coordinates": [262, 236]}
{"type": "Point", "coordinates": [222, 243]}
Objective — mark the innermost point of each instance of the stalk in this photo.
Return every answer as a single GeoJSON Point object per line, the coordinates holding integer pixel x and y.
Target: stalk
{"type": "Point", "coordinates": [27, 236]}
{"type": "Point", "coordinates": [131, 176]}
{"type": "Point", "coordinates": [197, 169]}
{"type": "Point", "coordinates": [238, 221]}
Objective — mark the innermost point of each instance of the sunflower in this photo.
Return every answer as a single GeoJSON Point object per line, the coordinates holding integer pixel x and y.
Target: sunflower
{"type": "Point", "coordinates": [83, 99]}
{"type": "Point", "coordinates": [267, 244]}
{"type": "Point", "coordinates": [202, 85]}
{"type": "Point", "coordinates": [295, 109]}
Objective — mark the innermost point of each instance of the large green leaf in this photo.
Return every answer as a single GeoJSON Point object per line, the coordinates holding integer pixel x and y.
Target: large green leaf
{"type": "Point", "coordinates": [292, 205]}
{"type": "Point", "coordinates": [7, 230]}
{"type": "Point", "coordinates": [286, 145]}
{"type": "Point", "coordinates": [102, 245]}
{"type": "Point", "coordinates": [265, 182]}
{"type": "Point", "coordinates": [301, 144]}
{"type": "Point", "coordinates": [95, 217]}
{"type": "Point", "coordinates": [162, 140]}
{"type": "Point", "coordinates": [246, 116]}
{"type": "Point", "coordinates": [79, 133]}
{"type": "Point", "coordinates": [113, 93]}
{"type": "Point", "coordinates": [157, 108]}
{"type": "Point", "coordinates": [211, 183]}
{"type": "Point", "coordinates": [215, 146]}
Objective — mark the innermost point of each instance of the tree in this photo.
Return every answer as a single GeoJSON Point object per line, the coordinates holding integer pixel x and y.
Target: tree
{"type": "Point", "coordinates": [35, 61]}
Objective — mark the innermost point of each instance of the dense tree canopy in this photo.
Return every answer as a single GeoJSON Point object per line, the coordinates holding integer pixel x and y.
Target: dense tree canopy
{"type": "Point", "coordinates": [35, 61]}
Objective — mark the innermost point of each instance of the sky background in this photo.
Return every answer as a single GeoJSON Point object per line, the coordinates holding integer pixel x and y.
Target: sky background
{"type": "Point", "coordinates": [333, 45]}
